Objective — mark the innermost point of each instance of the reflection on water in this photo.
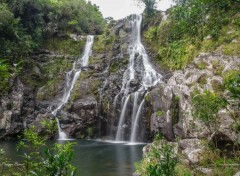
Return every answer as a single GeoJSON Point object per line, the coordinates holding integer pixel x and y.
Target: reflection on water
{"type": "Point", "coordinates": [95, 158]}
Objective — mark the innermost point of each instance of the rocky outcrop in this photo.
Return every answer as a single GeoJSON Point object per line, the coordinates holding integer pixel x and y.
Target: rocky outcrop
{"type": "Point", "coordinates": [172, 104]}
{"type": "Point", "coordinates": [11, 110]}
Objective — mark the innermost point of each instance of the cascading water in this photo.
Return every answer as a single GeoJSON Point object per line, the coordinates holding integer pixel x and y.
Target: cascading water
{"type": "Point", "coordinates": [148, 78]}
{"type": "Point", "coordinates": [70, 80]}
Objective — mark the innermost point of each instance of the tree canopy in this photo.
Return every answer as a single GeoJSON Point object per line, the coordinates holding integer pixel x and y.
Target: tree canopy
{"type": "Point", "coordinates": [150, 5]}
{"type": "Point", "coordinates": [25, 24]}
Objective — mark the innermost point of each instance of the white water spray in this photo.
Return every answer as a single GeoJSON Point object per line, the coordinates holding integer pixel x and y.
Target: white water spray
{"type": "Point", "coordinates": [70, 80]}
{"type": "Point", "coordinates": [135, 124]}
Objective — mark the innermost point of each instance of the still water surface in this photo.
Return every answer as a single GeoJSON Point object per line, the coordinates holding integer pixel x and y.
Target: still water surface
{"type": "Point", "coordinates": [95, 158]}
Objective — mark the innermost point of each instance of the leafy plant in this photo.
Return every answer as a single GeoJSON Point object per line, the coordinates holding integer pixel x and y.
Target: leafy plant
{"type": "Point", "coordinates": [206, 107]}
{"type": "Point", "coordinates": [159, 161]}
{"type": "Point", "coordinates": [150, 6]}
{"type": "Point", "coordinates": [42, 160]}
{"type": "Point", "coordinates": [232, 83]}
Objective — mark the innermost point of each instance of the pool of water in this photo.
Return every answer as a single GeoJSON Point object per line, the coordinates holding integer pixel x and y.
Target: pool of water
{"type": "Point", "coordinates": [94, 157]}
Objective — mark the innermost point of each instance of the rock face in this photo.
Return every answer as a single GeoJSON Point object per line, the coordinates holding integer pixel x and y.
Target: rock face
{"type": "Point", "coordinates": [11, 110]}
{"type": "Point", "coordinates": [90, 110]}
{"type": "Point", "coordinates": [174, 98]}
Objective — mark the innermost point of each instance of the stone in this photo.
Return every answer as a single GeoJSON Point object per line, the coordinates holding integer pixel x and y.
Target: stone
{"type": "Point", "coordinates": [205, 171]}
{"type": "Point", "coordinates": [5, 121]}
{"type": "Point", "coordinates": [237, 174]}
{"type": "Point", "coordinates": [192, 148]}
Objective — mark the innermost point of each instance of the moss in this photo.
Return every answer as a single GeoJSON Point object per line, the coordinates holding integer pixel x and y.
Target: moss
{"type": "Point", "coordinates": [175, 110]}
{"type": "Point", "coordinates": [178, 54]}
{"type": "Point", "coordinates": [65, 46]}
{"type": "Point", "coordinates": [117, 65]}
{"type": "Point", "coordinates": [232, 48]}
{"type": "Point", "coordinates": [48, 91]}
{"type": "Point", "coordinates": [103, 43]}
{"type": "Point", "coordinates": [220, 164]}
{"type": "Point", "coordinates": [217, 87]}
{"type": "Point", "coordinates": [84, 75]}
{"type": "Point", "coordinates": [217, 67]}
{"type": "Point", "coordinates": [105, 105]}
{"type": "Point", "coordinates": [159, 113]}
{"type": "Point", "coordinates": [147, 97]}
{"type": "Point", "coordinates": [53, 73]}
{"type": "Point", "coordinates": [94, 85]}
{"type": "Point", "coordinates": [183, 170]}
{"type": "Point", "coordinates": [91, 60]}
{"type": "Point", "coordinates": [202, 80]}
{"type": "Point", "coordinates": [201, 65]}
{"type": "Point", "coordinates": [90, 88]}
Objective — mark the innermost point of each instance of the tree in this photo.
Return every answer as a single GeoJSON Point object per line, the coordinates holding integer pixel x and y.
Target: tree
{"type": "Point", "coordinates": [150, 6]}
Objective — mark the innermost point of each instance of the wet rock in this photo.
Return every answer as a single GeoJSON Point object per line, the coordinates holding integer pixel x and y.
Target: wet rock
{"type": "Point", "coordinates": [161, 101]}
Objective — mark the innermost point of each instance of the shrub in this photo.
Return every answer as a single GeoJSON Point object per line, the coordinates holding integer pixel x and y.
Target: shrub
{"type": "Point", "coordinates": [42, 160]}
{"type": "Point", "coordinates": [206, 107]}
{"type": "Point", "coordinates": [159, 161]}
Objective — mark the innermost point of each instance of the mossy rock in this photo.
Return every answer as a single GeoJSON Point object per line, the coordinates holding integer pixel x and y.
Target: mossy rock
{"type": "Point", "coordinates": [66, 46]}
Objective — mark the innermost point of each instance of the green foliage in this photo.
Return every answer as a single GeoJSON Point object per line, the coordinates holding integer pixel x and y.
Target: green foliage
{"type": "Point", "coordinates": [232, 83]}
{"type": "Point", "coordinates": [103, 42]}
{"type": "Point", "coordinates": [90, 132]}
{"type": "Point", "coordinates": [194, 26]}
{"type": "Point", "coordinates": [65, 46]}
{"type": "Point", "coordinates": [26, 24]}
{"type": "Point", "coordinates": [150, 5]}
{"type": "Point", "coordinates": [206, 107]}
{"type": "Point", "coordinates": [159, 161]}
{"type": "Point", "coordinates": [159, 113]}
{"type": "Point", "coordinates": [183, 170]}
{"type": "Point", "coordinates": [58, 160]}
{"type": "Point", "coordinates": [50, 127]}
{"type": "Point", "coordinates": [4, 76]}
{"type": "Point", "coordinates": [222, 163]}
{"type": "Point", "coordinates": [42, 160]}
{"type": "Point", "coordinates": [177, 55]}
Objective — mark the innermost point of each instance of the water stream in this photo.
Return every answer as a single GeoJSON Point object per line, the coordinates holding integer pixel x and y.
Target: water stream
{"type": "Point", "coordinates": [148, 77]}
{"type": "Point", "coordinates": [70, 80]}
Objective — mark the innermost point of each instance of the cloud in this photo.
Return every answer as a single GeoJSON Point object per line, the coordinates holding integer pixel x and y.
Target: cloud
{"type": "Point", "coordinates": [121, 8]}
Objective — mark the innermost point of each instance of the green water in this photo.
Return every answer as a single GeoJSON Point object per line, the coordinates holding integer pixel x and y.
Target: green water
{"type": "Point", "coordinates": [94, 158]}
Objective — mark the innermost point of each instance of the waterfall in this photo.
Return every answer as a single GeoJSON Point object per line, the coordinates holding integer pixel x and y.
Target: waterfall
{"type": "Point", "coordinates": [147, 78]}
{"type": "Point", "coordinates": [135, 124]}
{"type": "Point", "coordinates": [70, 80]}
{"type": "Point", "coordinates": [121, 120]}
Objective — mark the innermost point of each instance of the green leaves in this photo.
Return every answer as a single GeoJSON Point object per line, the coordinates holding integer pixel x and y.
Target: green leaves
{"type": "Point", "coordinates": [150, 6]}
{"type": "Point", "coordinates": [161, 160]}
{"type": "Point", "coordinates": [41, 159]}
{"type": "Point", "coordinates": [59, 159]}
{"type": "Point", "coordinates": [206, 106]}
{"type": "Point", "coordinates": [166, 161]}
{"type": "Point", "coordinates": [232, 83]}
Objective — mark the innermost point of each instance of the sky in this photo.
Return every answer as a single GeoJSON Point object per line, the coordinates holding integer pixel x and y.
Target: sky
{"type": "Point", "coordinates": [121, 8]}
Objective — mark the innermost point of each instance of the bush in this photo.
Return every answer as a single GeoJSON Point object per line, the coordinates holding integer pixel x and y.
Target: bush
{"type": "Point", "coordinates": [232, 83]}
{"type": "Point", "coordinates": [206, 107]}
{"type": "Point", "coordinates": [159, 161]}
{"type": "Point", "coordinates": [42, 160]}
